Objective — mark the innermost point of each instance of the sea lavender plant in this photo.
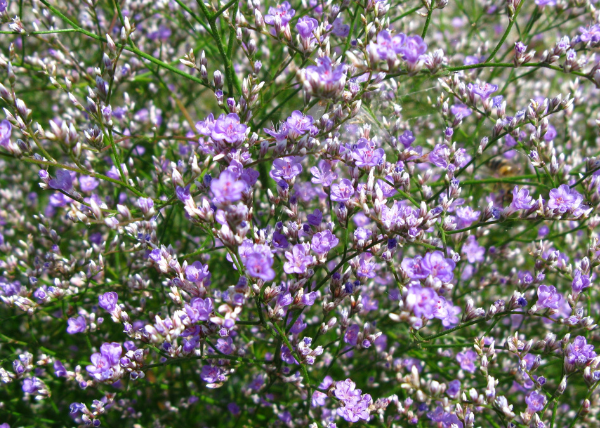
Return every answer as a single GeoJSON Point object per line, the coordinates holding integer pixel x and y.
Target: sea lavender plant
{"type": "Point", "coordinates": [305, 214]}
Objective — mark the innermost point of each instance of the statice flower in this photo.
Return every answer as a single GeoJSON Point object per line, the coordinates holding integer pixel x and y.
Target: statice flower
{"type": "Point", "coordinates": [229, 130]}
{"type": "Point", "coordinates": [325, 79]}
{"type": "Point", "coordinates": [196, 272]}
{"type": "Point", "coordinates": [484, 90]}
{"type": "Point", "coordinates": [535, 401]}
{"type": "Point", "coordinates": [298, 125]}
{"type": "Point", "coordinates": [366, 155]}
{"type": "Point", "coordinates": [199, 309]}
{"type": "Point", "coordinates": [285, 168]}
{"type": "Point", "coordinates": [580, 352]}
{"type": "Point", "coordinates": [343, 191]}
{"type": "Point", "coordinates": [323, 242]}
{"type": "Point", "coordinates": [5, 133]}
{"type": "Point", "coordinates": [108, 301]}
{"type": "Point", "coordinates": [564, 199]}
{"type": "Point", "coordinates": [467, 360]}
{"type": "Point", "coordinates": [282, 12]}
{"type": "Point", "coordinates": [580, 282]}
{"type": "Point", "coordinates": [475, 253]}
{"type": "Point", "coordinates": [76, 325]}
{"type": "Point", "coordinates": [105, 364]}
{"type": "Point", "coordinates": [422, 301]}
{"type": "Point", "coordinates": [227, 188]}
{"type": "Point", "coordinates": [298, 260]}
{"type": "Point", "coordinates": [521, 199]}
{"type": "Point", "coordinates": [548, 297]}
{"type": "Point", "coordinates": [413, 50]}
{"type": "Point", "coordinates": [63, 180]}
{"type": "Point", "coordinates": [323, 173]}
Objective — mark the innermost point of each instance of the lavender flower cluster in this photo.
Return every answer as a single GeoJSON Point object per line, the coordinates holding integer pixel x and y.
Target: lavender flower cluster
{"type": "Point", "coordinates": [319, 213]}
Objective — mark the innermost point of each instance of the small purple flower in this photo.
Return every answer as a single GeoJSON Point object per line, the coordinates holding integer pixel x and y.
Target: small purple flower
{"type": "Point", "coordinates": [453, 388]}
{"type": "Point", "coordinates": [579, 352]}
{"type": "Point", "coordinates": [59, 369]}
{"type": "Point", "coordinates": [87, 183]}
{"type": "Point", "coordinates": [343, 191]}
{"type": "Point", "coordinates": [227, 188]}
{"type": "Point", "coordinates": [108, 301]}
{"type": "Point", "coordinates": [439, 267]}
{"type": "Point", "coordinates": [580, 282]}
{"type": "Point", "coordinates": [521, 199]}
{"type": "Point", "coordinates": [213, 374]}
{"type": "Point", "coordinates": [413, 49]}
{"type": "Point", "coordinates": [346, 391]}
{"type": "Point", "coordinates": [323, 174]}
{"type": "Point", "coordinates": [283, 11]}
{"type": "Point", "coordinates": [440, 156]}
{"type": "Point", "coordinates": [422, 301]}
{"type": "Point", "coordinates": [305, 26]}
{"type": "Point", "coordinates": [5, 132]}
{"type": "Point", "coordinates": [407, 138]}
{"type": "Point", "coordinates": [285, 168]}
{"type": "Point", "coordinates": [365, 154]}
{"type": "Point", "coordinates": [366, 268]}
{"type": "Point", "coordinates": [32, 385]}
{"type": "Point", "coordinates": [228, 129]}
{"type": "Point", "coordinates": [460, 111]}
{"type": "Point", "coordinates": [356, 410]}
{"type": "Point", "coordinates": [535, 401]}
{"type": "Point", "coordinates": [564, 199]}
{"type": "Point", "coordinates": [260, 266]}
{"type": "Point", "coordinates": [484, 90]}
{"type": "Point", "coordinates": [298, 260]}
{"type": "Point", "coordinates": [466, 360]}
{"type": "Point", "coordinates": [548, 297]}
{"type": "Point", "coordinates": [298, 124]}
{"type": "Point", "coordinates": [325, 79]}
{"type": "Point", "coordinates": [351, 335]}
{"type": "Point", "coordinates": [76, 325]}
{"type": "Point", "coordinates": [196, 272]}
{"type": "Point", "coordinates": [199, 309]}
{"type": "Point", "coordinates": [475, 253]}
{"type": "Point", "coordinates": [106, 362]}
{"type": "Point", "coordinates": [63, 181]}
{"type": "Point", "coordinates": [323, 242]}
{"type": "Point", "coordinates": [183, 193]}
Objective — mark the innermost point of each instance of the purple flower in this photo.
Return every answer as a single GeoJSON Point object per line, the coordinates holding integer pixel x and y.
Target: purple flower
{"type": "Point", "coordinates": [298, 124]}
{"type": "Point", "coordinates": [460, 111]}
{"type": "Point", "coordinates": [351, 335]}
{"type": "Point", "coordinates": [87, 183]}
{"type": "Point", "coordinates": [213, 374]}
{"type": "Point", "coordinates": [484, 90]}
{"type": "Point", "coordinates": [565, 199]}
{"type": "Point", "coordinates": [260, 266]}
{"type": "Point", "coordinates": [422, 301]}
{"type": "Point", "coordinates": [298, 261]}
{"type": "Point", "coordinates": [5, 133]}
{"type": "Point", "coordinates": [199, 309]}
{"type": "Point", "coordinates": [323, 242]}
{"type": "Point", "coordinates": [535, 401]}
{"type": "Point", "coordinates": [59, 369]}
{"type": "Point", "coordinates": [76, 325]}
{"type": "Point", "coordinates": [339, 28]}
{"type": "Point", "coordinates": [466, 360]}
{"type": "Point", "coordinates": [466, 216]}
{"type": "Point", "coordinates": [32, 385]}
{"type": "Point", "coordinates": [285, 168]}
{"type": "Point", "coordinates": [283, 11]}
{"type": "Point", "coordinates": [346, 391]}
{"type": "Point", "coordinates": [323, 173]}
{"type": "Point", "coordinates": [446, 312]}
{"type": "Point", "coordinates": [521, 199]}
{"type": "Point", "coordinates": [438, 266]}
{"type": "Point", "coordinates": [356, 410]}
{"type": "Point", "coordinates": [453, 388]}
{"type": "Point", "coordinates": [227, 188]}
{"type": "Point", "coordinates": [63, 181]}
{"type": "Point", "coordinates": [108, 301]}
{"type": "Point", "coordinates": [287, 356]}
{"type": "Point", "coordinates": [228, 129]}
{"type": "Point", "coordinates": [324, 79]}
{"type": "Point", "coordinates": [305, 26]}
{"type": "Point", "coordinates": [343, 191]}
{"type": "Point", "coordinates": [407, 138]}
{"type": "Point", "coordinates": [196, 272]}
{"type": "Point", "coordinates": [440, 156]}
{"type": "Point", "coordinates": [105, 364]}
{"type": "Point", "coordinates": [579, 352]}
{"type": "Point", "coordinates": [413, 49]}
{"type": "Point", "coordinates": [388, 47]}
{"type": "Point", "coordinates": [362, 234]}
{"type": "Point", "coordinates": [365, 154]}
{"type": "Point", "coordinates": [474, 252]}
{"type": "Point", "coordinates": [183, 193]}
{"type": "Point", "coordinates": [548, 297]}
{"type": "Point", "coordinates": [580, 282]}
{"type": "Point", "coordinates": [366, 268]}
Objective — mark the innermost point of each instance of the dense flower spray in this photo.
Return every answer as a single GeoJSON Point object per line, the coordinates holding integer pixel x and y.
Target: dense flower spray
{"type": "Point", "coordinates": [306, 214]}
